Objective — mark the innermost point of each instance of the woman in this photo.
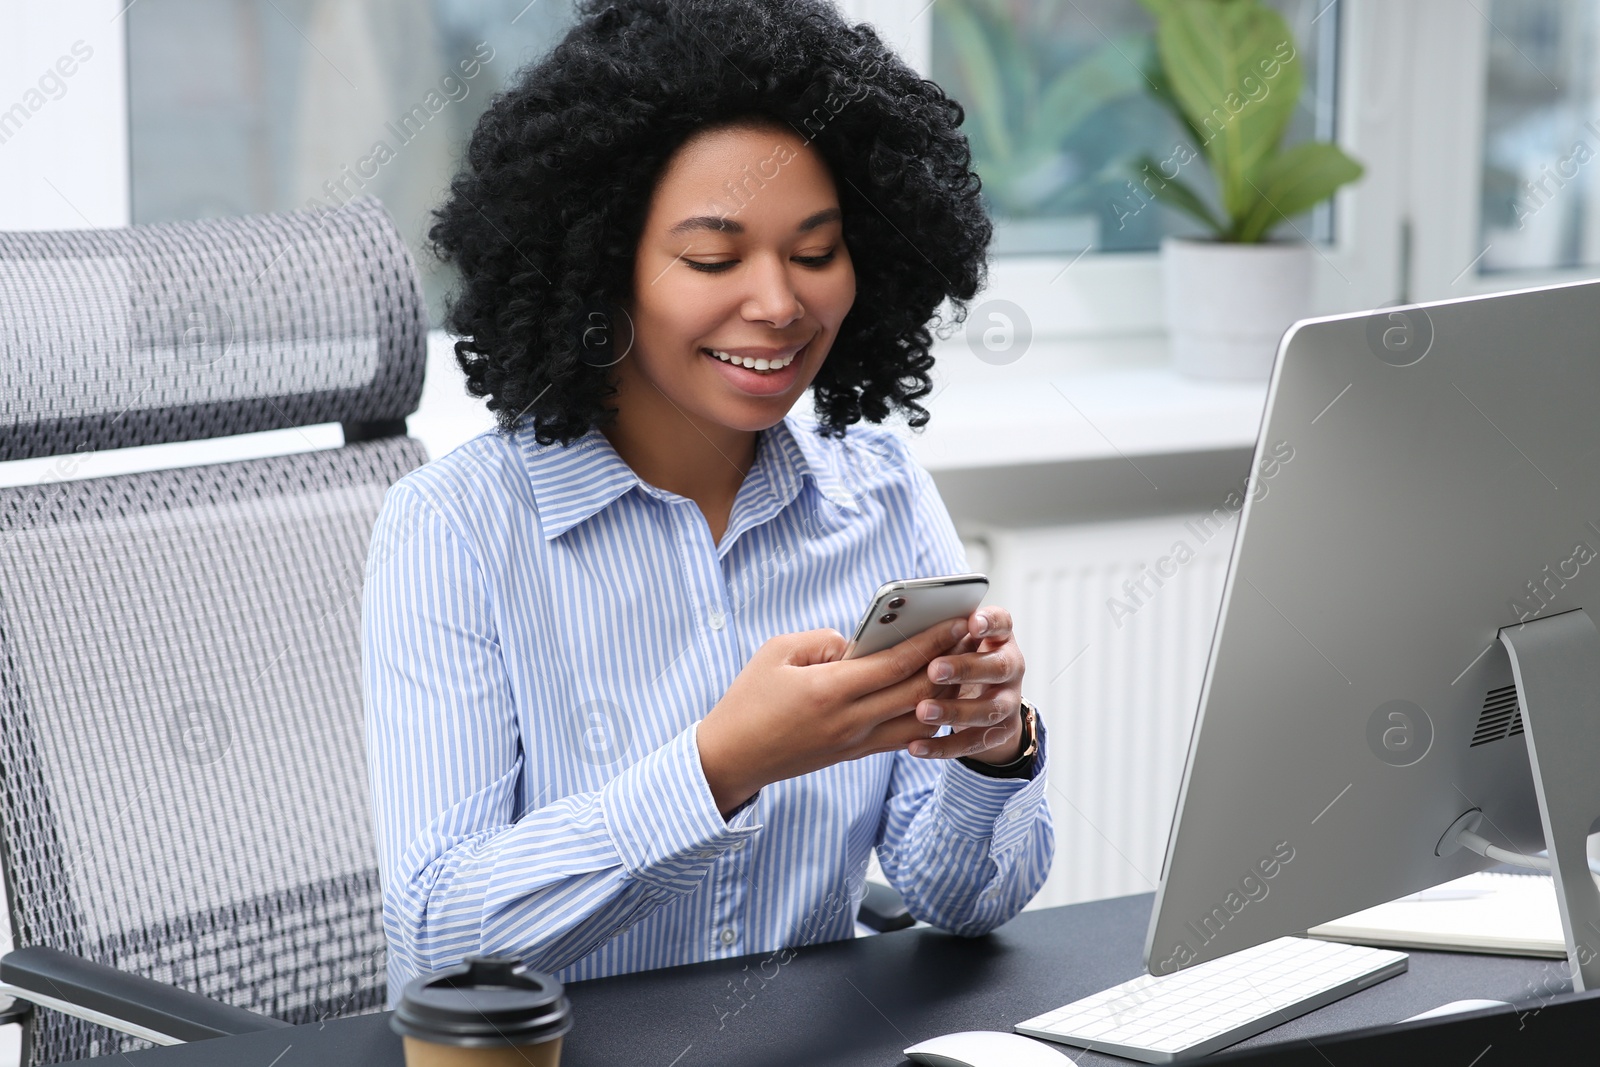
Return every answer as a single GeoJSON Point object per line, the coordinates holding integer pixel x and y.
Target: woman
{"type": "Point", "coordinates": [608, 723]}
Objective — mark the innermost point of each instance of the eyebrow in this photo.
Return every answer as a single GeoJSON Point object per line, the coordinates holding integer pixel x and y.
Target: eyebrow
{"type": "Point", "coordinates": [725, 224]}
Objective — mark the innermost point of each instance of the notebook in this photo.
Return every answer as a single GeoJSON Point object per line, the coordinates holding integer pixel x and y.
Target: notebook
{"type": "Point", "coordinates": [1491, 911]}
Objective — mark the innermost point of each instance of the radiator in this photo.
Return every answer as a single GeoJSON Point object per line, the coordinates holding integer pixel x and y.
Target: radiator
{"type": "Point", "coordinates": [1116, 620]}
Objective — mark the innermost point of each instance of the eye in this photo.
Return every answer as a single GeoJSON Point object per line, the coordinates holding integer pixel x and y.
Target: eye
{"type": "Point", "coordinates": [718, 267]}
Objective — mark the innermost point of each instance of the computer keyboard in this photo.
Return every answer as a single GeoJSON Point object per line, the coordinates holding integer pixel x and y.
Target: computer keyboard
{"type": "Point", "coordinates": [1158, 1019]}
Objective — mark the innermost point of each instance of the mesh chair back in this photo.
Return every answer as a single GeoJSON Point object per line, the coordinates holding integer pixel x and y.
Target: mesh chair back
{"type": "Point", "coordinates": [186, 331]}
{"type": "Point", "coordinates": [182, 781]}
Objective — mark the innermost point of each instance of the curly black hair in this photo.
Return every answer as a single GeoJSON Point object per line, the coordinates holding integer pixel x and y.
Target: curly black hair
{"type": "Point", "coordinates": [546, 213]}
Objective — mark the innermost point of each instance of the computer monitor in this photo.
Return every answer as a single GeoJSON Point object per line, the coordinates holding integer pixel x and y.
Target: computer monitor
{"type": "Point", "coordinates": [1434, 514]}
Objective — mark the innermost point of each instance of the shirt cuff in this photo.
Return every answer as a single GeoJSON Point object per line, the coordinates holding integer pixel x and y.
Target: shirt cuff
{"type": "Point", "coordinates": [664, 821]}
{"type": "Point", "coordinates": [978, 806]}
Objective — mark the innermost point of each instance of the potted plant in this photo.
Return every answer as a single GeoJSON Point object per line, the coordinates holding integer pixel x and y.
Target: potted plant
{"type": "Point", "coordinates": [1229, 71]}
{"type": "Point", "coordinates": [1025, 119]}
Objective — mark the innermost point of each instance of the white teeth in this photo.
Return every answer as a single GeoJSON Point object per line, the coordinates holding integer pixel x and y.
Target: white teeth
{"type": "Point", "coordinates": [753, 364]}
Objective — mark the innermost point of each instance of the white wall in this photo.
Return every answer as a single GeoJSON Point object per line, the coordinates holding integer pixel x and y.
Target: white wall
{"type": "Point", "coordinates": [63, 136]}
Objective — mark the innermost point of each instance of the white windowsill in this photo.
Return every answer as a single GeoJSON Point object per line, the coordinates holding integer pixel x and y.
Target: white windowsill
{"type": "Point", "coordinates": [1061, 402]}
{"type": "Point", "coordinates": [1067, 401]}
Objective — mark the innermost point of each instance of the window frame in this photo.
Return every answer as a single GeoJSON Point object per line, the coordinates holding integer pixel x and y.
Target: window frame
{"type": "Point", "coordinates": [1448, 103]}
{"type": "Point", "coordinates": [1410, 106]}
{"type": "Point", "coordinates": [1120, 294]}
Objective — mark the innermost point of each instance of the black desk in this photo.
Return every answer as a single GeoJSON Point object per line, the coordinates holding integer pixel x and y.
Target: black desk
{"type": "Point", "coordinates": [862, 1001]}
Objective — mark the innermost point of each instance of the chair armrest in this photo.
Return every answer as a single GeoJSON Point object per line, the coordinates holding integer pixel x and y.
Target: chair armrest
{"type": "Point", "coordinates": [106, 995]}
{"type": "Point", "coordinates": [883, 910]}
{"type": "Point", "coordinates": [14, 1011]}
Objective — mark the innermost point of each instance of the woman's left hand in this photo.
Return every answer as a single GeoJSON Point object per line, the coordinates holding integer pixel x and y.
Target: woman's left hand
{"type": "Point", "coordinates": [985, 713]}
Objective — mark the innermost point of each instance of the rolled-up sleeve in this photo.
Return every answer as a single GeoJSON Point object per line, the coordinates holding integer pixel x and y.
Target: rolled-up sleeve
{"type": "Point", "coordinates": [462, 869]}
{"type": "Point", "coordinates": [965, 851]}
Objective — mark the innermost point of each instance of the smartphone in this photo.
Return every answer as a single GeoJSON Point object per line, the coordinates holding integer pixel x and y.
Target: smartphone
{"type": "Point", "coordinates": [905, 608]}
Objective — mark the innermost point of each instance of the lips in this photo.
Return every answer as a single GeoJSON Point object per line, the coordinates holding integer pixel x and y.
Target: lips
{"type": "Point", "coordinates": [754, 380]}
{"type": "Point", "coordinates": [761, 360]}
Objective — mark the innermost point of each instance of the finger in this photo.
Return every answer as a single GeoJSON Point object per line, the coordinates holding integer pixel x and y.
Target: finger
{"type": "Point", "coordinates": [902, 698]}
{"type": "Point", "coordinates": [993, 708]}
{"type": "Point", "coordinates": [967, 644]}
{"type": "Point", "coordinates": [871, 673]}
{"type": "Point", "coordinates": [963, 646]}
{"type": "Point", "coordinates": [894, 734]}
{"type": "Point", "coordinates": [967, 742]}
{"type": "Point", "coordinates": [990, 621]}
{"type": "Point", "coordinates": [809, 647]}
{"type": "Point", "coordinates": [991, 667]}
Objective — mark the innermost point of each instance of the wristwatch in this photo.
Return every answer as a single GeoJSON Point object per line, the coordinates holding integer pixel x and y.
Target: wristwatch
{"type": "Point", "coordinates": [1023, 764]}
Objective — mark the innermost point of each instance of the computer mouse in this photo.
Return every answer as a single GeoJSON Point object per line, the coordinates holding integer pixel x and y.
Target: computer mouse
{"type": "Point", "coordinates": [985, 1048]}
{"type": "Point", "coordinates": [1455, 1006]}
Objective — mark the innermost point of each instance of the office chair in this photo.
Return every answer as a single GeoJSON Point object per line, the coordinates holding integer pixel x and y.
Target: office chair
{"type": "Point", "coordinates": [185, 833]}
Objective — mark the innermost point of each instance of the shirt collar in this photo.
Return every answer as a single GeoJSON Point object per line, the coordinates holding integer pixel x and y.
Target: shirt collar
{"type": "Point", "coordinates": [573, 482]}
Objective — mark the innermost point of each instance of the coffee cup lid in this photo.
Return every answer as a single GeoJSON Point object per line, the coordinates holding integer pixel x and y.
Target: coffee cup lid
{"type": "Point", "coordinates": [483, 1002]}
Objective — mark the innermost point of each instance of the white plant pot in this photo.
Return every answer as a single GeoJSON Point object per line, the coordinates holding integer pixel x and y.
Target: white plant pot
{"type": "Point", "coordinates": [1227, 305]}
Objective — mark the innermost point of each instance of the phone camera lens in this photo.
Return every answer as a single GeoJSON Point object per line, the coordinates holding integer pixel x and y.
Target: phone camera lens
{"type": "Point", "coordinates": [897, 602]}
{"type": "Point", "coordinates": [888, 617]}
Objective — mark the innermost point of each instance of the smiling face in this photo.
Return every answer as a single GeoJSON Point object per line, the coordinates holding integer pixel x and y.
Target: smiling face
{"type": "Point", "coordinates": [741, 279]}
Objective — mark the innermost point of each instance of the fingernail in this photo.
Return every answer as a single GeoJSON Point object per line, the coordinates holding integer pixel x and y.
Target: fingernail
{"type": "Point", "coordinates": [980, 625]}
{"type": "Point", "coordinates": [919, 749]}
{"type": "Point", "coordinates": [959, 629]}
{"type": "Point", "coordinates": [928, 713]}
{"type": "Point", "coordinates": [942, 673]}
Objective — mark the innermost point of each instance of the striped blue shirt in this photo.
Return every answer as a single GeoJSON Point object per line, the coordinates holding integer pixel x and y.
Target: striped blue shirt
{"type": "Point", "coordinates": [541, 633]}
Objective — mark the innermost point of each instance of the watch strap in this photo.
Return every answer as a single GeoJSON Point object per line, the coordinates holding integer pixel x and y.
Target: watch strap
{"type": "Point", "coordinates": [1022, 766]}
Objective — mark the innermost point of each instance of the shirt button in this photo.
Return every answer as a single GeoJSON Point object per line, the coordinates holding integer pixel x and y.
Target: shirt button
{"type": "Point", "coordinates": [717, 619]}
{"type": "Point", "coordinates": [727, 936]}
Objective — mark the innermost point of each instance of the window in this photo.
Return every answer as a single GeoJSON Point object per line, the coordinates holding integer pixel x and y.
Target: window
{"type": "Point", "coordinates": [269, 105]}
{"type": "Point", "coordinates": [1059, 113]}
{"type": "Point", "coordinates": [239, 106]}
{"type": "Point", "coordinates": [1540, 209]}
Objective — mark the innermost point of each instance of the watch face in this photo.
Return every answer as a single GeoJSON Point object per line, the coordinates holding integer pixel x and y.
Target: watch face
{"type": "Point", "coordinates": [1029, 723]}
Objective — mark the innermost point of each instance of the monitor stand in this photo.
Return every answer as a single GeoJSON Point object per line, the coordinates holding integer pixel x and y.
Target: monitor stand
{"type": "Point", "coordinates": [1555, 662]}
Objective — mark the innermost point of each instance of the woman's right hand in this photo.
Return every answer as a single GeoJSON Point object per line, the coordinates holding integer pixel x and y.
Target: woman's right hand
{"type": "Point", "coordinates": [797, 707]}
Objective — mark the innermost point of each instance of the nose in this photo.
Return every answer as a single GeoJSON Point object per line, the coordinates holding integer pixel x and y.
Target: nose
{"type": "Point", "coordinates": [772, 297]}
